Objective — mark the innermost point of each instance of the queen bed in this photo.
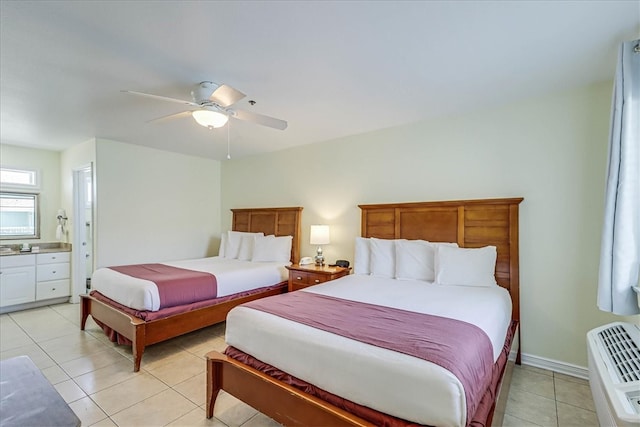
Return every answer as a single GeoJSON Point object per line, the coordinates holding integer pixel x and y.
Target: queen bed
{"type": "Point", "coordinates": [137, 305]}
{"type": "Point", "coordinates": [398, 342]}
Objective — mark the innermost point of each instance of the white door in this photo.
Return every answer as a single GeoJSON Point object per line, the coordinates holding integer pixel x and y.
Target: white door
{"type": "Point", "coordinates": [82, 230]}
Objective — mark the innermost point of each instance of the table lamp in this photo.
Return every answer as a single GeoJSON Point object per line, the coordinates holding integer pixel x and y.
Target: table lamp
{"type": "Point", "coordinates": [319, 236]}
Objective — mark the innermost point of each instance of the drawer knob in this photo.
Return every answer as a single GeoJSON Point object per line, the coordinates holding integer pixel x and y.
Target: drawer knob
{"type": "Point", "coordinates": [53, 289]}
{"type": "Point", "coordinates": [54, 272]}
{"type": "Point", "coordinates": [298, 278]}
{"type": "Point", "coordinates": [317, 281]}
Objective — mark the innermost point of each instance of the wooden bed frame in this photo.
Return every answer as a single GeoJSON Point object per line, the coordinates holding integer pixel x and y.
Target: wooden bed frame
{"type": "Point", "coordinates": [276, 221]}
{"type": "Point", "coordinates": [470, 223]}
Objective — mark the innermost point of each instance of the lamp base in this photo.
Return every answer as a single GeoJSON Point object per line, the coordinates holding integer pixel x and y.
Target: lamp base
{"type": "Point", "coordinates": [319, 257]}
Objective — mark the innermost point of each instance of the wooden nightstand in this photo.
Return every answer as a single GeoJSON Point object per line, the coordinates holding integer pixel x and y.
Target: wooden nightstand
{"type": "Point", "coordinates": [302, 276]}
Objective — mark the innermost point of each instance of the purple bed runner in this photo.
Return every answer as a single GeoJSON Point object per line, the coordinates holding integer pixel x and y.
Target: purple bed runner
{"type": "Point", "coordinates": [460, 347]}
{"type": "Point", "coordinates": [176, 286]}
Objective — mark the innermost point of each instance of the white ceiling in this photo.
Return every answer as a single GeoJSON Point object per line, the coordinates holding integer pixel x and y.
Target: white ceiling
{"type": "Point", "coordinates": [330, 68]}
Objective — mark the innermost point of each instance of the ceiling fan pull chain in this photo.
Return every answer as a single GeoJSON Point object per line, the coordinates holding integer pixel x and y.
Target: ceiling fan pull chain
{"type": "Point", "coordinates": [228, 140]}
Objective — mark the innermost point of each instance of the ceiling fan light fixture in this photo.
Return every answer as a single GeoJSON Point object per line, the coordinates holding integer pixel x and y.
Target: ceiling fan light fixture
{"type": "Point", "coordinates": [210, 119]}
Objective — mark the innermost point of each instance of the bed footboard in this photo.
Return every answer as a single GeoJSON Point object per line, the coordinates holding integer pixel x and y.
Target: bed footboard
{"type": "Point", "coordinates": [293, 407]}
{"type": "Point", "coordinates": [143, 333]}
{"type": "Point", "coordinates": [129, 327]}
{"type": "Point", "coordinates": [284, 403]}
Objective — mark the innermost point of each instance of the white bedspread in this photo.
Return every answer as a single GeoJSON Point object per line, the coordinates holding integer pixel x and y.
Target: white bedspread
{"type": "Point", "coordinates": [232, 275]}
{"type": "Point", "coordinates": [390, 382]}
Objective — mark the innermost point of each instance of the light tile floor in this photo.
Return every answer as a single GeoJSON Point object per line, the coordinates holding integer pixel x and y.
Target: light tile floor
{"type": "Point", "coordinates": [95, 378]}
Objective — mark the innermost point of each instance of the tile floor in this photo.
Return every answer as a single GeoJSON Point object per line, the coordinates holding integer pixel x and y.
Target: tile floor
{"type": "Point", "coordinates": [95, 378]}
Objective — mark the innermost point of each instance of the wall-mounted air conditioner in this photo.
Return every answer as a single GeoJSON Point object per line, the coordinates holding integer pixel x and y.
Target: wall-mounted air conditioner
{"type": "Point", "coordinates": [614, 373]}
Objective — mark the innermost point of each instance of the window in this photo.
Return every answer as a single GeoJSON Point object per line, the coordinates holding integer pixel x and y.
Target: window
{"type": "Point", "coordinates": [19, 213]}
{"type": "Point", "coordinates": [19, 217]}
{"type": "Point", "coordinates": [19, 178]}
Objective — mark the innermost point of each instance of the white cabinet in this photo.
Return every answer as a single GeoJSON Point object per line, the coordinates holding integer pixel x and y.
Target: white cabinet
{"type": "Point", "coordinates": [52, 274]}
{"type": "Point", "coordinates": [17, 279]}
{"type": "Point", "coordinates": [34, 277]}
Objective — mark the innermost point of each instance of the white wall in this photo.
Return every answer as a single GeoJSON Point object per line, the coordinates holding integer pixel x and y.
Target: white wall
{"type": "Point", "coordinates": [154, 205]}
{"type": "Point", "coordinates": [48, 164]}
{"type": "Point", "coordinates": [552, 151]}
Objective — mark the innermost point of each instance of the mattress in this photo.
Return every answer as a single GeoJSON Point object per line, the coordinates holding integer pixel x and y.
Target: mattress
{"type": "Point", "coordinates": [393, 383]}
{"type": "Point", "coordinates": [233, 276]}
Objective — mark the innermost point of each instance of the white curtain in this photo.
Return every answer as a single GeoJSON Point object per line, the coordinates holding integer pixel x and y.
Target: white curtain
{"type": "Point", "coordinates": [620, 250]}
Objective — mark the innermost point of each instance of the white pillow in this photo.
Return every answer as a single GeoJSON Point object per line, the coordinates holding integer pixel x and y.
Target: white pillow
{"type": "Point", "coordinates": [272, 249]}
{"type": "Point", "coordinates": [383, 258]}
{"type": "Point", "coordinates": [465, 266]}
{"type": "Point", "coordinates": [415, 259]}
{"type": "Point", "coordinates": [247, 243]}
{"type": "Point", "coordinates": [223, 244]}
{"type": "Point", "coordinates": [234, 241]}
{"type": "Point", "coordinates": [361, 256]}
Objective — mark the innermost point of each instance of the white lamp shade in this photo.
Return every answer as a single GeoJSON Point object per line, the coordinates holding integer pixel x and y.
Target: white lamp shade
{"type": "Point", "coordinates": [208, 118]}
{"type": "Point", "coordinates": [319, 235]}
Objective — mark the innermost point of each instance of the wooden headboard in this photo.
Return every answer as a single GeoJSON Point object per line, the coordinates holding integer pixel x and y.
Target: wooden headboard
{"type": "Point", "coordinates": [470, 223]}
{"type": "Point", "coordinates": [276, 221]}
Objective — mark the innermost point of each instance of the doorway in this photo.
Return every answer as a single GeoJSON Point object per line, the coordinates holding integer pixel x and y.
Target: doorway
{"type": "Point", "coordinates": [83, 235]}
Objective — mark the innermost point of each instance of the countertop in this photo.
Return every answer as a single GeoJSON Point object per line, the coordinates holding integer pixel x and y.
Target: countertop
{"type": "Point", "coordinates": [14, 249]}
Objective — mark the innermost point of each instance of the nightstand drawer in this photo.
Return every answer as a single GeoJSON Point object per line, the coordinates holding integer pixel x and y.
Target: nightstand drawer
{"type": "Point", "coordinates": [299, 278]}
{"type": "Point", "coordinates": [315, 279]}
{"type": "Point", "coordinates": [303, 276]}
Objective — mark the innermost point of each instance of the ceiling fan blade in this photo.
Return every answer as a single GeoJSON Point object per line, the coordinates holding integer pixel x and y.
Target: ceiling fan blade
{"type": "Point", "coordinates": [170, 117]}
{"type": "Point", "coordinates": [225, 95]}
{"type": "Point", "coordinates": [260, 119]}
{"type": "Point", "coordinates": [161, 98]}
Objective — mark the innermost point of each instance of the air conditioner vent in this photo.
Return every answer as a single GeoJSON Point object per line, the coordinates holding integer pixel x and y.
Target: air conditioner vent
{"type": "Point", "coordinates": [623, 352]}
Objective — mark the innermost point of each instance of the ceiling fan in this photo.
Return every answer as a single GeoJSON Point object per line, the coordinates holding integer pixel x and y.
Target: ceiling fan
{"type": "Point", "coordinates": [213, 106]}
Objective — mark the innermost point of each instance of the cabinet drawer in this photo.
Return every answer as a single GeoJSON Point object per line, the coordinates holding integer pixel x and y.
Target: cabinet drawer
{"type": "Point", "coordinates": [302, 280]}
{"type": "Point", "coordinates": [8, 261]}
{"type": "Point", "coordinates": [53, 258]}
{"type": "Point", "coordinates": [299, 278]}
{"type": "Point", "coordinates": [52, 289]}
{"type": "Point", "coordinates": [315, 279]}
{"type": "Point", "coordinates": [52, 272]}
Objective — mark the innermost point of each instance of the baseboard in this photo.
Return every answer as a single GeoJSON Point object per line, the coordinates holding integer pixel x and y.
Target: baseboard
{"type": "Point", "coordinates": [555, 366]}
{"type": "Point", "coordinates": [36, 304]}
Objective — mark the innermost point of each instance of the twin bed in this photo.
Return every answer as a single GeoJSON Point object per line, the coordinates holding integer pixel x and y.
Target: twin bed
{"type": "Point", "coordinates": [386, 345]}
{"type": "Point", "coordinates": [140, 321]}
{"type": "Point", "coordinates": [399, 342]}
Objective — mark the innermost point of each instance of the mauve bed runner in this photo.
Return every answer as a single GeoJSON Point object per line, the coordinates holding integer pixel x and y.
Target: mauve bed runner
{"type": "Point", "coordinates": [176, 286]}
{"type": "Point", "coordinates": [460, 347]}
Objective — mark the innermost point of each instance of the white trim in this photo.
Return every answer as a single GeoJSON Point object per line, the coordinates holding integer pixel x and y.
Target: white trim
{"type": "Point", "coordinates": [555, 366]}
